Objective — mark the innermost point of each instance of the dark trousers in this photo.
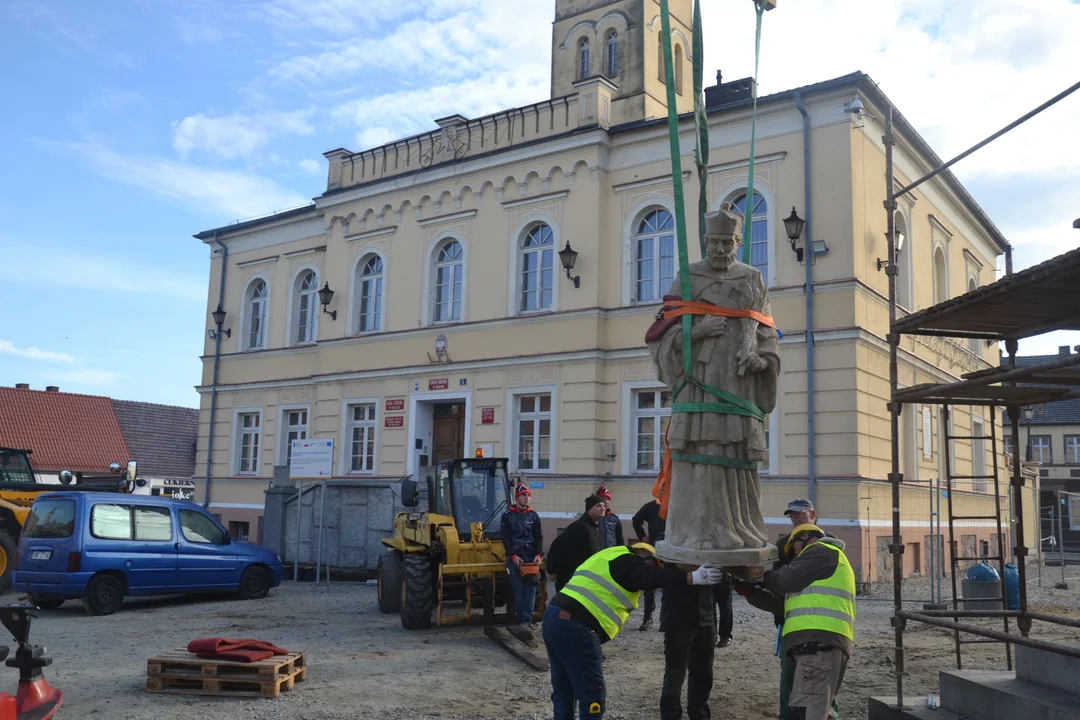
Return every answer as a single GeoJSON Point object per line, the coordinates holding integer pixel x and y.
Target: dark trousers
{"type": "Point", "coordinates": [725, 620]}
{"type": "Point", "coordinates": [577, 670]}
{"type": "Point", "coordinates": [687, 649]}
{"type": "Point", "coordinates": [524, 592]}
{"type": "Point", "coordinates": [650, 602]}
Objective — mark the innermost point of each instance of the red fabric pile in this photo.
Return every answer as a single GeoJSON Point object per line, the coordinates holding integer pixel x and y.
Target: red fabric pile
{"type": "Point", "coordinates": [234, 650]}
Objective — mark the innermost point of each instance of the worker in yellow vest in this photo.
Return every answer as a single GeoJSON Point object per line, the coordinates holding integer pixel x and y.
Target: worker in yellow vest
{"type": "Point", "coordinates": [818, 591]}
{"type": "Point", "coordinates": [591, 609]}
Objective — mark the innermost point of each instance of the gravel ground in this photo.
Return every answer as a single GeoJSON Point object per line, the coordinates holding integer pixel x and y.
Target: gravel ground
{"type": "Point", "coordinates": [363, 665]}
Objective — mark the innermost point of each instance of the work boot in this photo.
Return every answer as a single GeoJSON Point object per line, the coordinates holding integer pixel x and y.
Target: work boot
{"type": "Point", "coordinates": [646, 623]}
{"type": "Point", "coordinates": [723, 642]}
{"type": "Point", "coordinates": [524, 633]}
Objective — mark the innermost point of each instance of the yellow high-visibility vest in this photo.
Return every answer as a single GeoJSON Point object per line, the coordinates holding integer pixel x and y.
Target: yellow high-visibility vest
{"type": "Point", "coordinates": [593, 587]}
{"type": "Point", "coordinates": [827, 604]}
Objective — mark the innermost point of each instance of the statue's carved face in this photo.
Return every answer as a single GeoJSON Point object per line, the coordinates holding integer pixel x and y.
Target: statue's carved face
{"type": "Point", "coordinates": [720, 249]}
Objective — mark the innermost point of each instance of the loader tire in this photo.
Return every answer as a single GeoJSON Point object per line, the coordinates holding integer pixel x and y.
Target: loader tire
{"type": "Point", "coordinates": [389, 579]}
{"type": "Point", "coordinates": [417, 592]}
{"type": "Point", "coordinates": [8, 551]}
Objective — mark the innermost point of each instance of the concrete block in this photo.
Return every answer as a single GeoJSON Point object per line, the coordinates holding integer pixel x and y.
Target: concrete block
{"type": "Point", "coordinates": [1058, 672]}
{"type": "Point", "coordinates": [884, 708]}
{"type": "Point", "coordinates": [994, 695]}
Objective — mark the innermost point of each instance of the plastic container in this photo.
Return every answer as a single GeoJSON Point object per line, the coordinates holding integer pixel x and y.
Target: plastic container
{"type": "Point", "coordinates": [1012, 587]}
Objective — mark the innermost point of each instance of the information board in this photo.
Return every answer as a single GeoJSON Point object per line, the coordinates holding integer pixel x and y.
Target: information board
{"type": "Point", "coordinates": [312, 459]}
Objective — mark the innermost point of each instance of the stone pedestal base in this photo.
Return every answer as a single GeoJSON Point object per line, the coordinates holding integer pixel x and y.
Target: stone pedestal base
{"type": "Point", "coordinates": [670, 553]}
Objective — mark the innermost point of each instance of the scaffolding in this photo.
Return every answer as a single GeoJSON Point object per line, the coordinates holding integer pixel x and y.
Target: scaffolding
{"type": "Point", "coordinates": [1021, 305]}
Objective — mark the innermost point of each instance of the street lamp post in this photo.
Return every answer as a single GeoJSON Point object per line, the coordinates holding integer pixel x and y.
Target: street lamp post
{"type": "Point", "coordinates": [1028, 412]}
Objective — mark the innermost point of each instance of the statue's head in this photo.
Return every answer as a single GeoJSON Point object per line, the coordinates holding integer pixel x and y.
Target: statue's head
{"type": "Point", "coordinates": [723, 233]}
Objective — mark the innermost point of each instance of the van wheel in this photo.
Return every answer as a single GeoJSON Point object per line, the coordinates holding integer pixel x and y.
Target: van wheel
{"type": "Point", "coordinates": [46, 602]}
{"type": "Point", "coordinates": [104, 595]}
{"type": "Point", "coordinates": [8, 552]}
{"type": "Point", "coordinates": [254, 584]}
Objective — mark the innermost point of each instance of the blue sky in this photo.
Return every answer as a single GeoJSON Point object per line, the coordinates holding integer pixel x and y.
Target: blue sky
{"type": "Point", "coordinates": [132, 124]}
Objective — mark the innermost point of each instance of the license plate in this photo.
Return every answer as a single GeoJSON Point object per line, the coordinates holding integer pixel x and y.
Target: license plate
{"type": "Point", "coordinates": [40, 554]}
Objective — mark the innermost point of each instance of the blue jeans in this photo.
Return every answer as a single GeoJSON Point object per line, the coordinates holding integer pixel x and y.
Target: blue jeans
{"type": "Point", "coordinates": [524, 592]}
{"type": "Point", "coordinates": [577, 673]}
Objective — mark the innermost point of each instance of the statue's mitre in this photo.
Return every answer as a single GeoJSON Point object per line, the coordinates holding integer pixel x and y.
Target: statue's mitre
{"type": "Point", "coordinates": [725, 221]}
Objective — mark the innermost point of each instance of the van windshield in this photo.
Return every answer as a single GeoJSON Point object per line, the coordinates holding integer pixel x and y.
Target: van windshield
{"type": "Point", "coordinates": [50, 519]}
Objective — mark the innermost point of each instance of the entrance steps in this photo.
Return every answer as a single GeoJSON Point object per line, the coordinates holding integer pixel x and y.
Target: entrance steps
{"type": "Point", "coordinates": [1045, 686]}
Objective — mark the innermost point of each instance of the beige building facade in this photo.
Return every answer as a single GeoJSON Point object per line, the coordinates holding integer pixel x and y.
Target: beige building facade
{"type": "Point", "coordinates": [457, 327]}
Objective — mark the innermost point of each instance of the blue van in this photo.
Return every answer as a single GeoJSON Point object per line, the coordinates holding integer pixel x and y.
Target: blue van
{"type": "Point", "coordinates": [101, 547]}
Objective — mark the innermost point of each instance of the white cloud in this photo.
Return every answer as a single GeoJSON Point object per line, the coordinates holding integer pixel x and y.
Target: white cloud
{"type": "Point", "coordinates": [373, 137]}
{"type": "Point", "coordinates": [312, 167]}
{"type": "Point", "coordinates": [348, 17]}
{"type": "Point", "coordinates": [84, 376]}
{"type": "Point", "coordinates": [32, 353]}
{"type": "Point", "coordinates": [236, 194]}
{"type": "Point", "coordinates": [236, 136]}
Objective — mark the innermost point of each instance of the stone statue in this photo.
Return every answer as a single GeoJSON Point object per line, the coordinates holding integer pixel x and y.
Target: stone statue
{"type": "Point", "coordinates": [714, 511]}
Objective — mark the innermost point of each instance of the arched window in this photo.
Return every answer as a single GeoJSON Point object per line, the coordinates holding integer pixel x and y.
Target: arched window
{"type": "Point", "coordinates": [369, 284]}
{"type": "Point", "coordinates": [973, 343]}
{"type": "Point", "coordinates": [654, 243]}
{"type": "Point", "coordinates": [678, 60]}
{"type": "Point", "coordinates": [256, 301]}
{"type": "Point", "coordinates": [537, 269]}
{"type": "Point", "coordinates": [612, 54]}
{"type": "Point", "coordinates": [903, 279]}
{"type": "Point", "coordinates": [758, 236]}
{"type": "Point", "coordinates": [583, 59]}
{"type": "Point", "coordinates": [448, 281]}
{"type": "Point", "coordinates": [660, 73]}
{"type": "Point", "coordinates": [941, 277]}
{"type": "Point", "coordinates": [304, 317]}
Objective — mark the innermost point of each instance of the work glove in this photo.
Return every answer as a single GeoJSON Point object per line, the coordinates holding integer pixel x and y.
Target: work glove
{"type": "Point", "coordinates": [707, 575]}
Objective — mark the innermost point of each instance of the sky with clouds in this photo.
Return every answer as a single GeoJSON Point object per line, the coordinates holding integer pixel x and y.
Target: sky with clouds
{"type": "Point", "coordinates": [132, 124]}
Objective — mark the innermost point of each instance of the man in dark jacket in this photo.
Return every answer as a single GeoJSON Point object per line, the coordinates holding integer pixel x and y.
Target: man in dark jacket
{"type": "Point", "coordinates": [576, 544]}
{"type": "Point", "coordinates": [611, 533]}
{"type": "Point", "coordinates": [524, 542]}
{"type": "Point", "coordinates": [591, 609]}
{"type": "Point", "coordinates": [649, 514]}
{"type": "Point", "coordinates": [689, 635]}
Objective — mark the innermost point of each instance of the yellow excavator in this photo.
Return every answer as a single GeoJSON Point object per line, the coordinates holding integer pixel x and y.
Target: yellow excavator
{"type": "Point", "coordinates": [449, 560]}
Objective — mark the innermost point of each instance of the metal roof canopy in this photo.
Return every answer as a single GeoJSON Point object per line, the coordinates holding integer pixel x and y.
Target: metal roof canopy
{"type": "Point", "coordinates": [981, 388]}
{"type": "Point", "coordinates": [1034, 301]}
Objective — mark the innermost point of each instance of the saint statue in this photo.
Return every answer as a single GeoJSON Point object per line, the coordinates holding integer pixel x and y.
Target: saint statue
{"type": "Point", "coordinates": [717, 431]}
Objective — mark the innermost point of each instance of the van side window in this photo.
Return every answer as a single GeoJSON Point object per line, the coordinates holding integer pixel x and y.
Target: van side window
{"type": "Point", "coordinates": [153, 523]}
{"type": "Point", "coordinates": [111, 522]}
{"type": "Point", "coordinates": [198, 528]}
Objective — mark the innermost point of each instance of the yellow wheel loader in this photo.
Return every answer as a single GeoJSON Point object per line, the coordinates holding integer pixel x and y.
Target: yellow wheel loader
{"type": "Point", "coordinates": [450, 559]}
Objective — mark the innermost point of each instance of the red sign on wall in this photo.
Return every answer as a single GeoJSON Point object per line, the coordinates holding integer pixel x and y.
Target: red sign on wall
{"type": "Point", "coordinates": [487, 416]}
{"type": "Point", "coordinates": [395, 405]}
{"type": "Point", "coordinates": [394, 421]}
{"type": "Point", "coordinates": [440, 384]}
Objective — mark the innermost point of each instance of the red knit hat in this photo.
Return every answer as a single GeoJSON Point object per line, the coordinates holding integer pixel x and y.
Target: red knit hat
{"type": "Point", "coordinates": [603, 493]}
{"type": "Point", "coordinates": [522, 490]}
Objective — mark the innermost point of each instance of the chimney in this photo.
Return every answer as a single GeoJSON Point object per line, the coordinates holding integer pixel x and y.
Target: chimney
{"type": "Point", "coordinates": [52, 388]}
{"type": "Point", "coordinates": [1064, 350]}
{"type": "Point", "coordinates": [22, 386]}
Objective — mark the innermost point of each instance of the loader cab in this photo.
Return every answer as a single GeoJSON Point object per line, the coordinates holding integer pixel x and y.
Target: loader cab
{"type": "Point", "coordinates": [471, 490]}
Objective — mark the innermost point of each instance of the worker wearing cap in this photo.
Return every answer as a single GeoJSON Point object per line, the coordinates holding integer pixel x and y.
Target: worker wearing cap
{"type": "Point", "coordinates": [818, 590]}
{"type": "Point", "coordinates": [524, 542]}
{"type": "Point", "coordinates": [592, 609]}
{"type": "Point", "coordinates": [611, 532]}
{"type": "Point", "coordinates": [576, 544]}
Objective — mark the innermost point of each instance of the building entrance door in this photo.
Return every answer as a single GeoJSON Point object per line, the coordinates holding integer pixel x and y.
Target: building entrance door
{"type": "Point", "coordinates": [448, 436]}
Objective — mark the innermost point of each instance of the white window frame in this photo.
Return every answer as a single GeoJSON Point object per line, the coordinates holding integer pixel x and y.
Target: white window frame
{"type": "Point", "coordinates": [346, 434]}
{"type": "Point", "coordinates": [678, 56]}
{"type": "Point", "coordinates": [246, 315]}
{"type": "Point", "coordinates": [658, 413]}
{"type": "Point", "coordinates": [539, 252]}
{"type": "Point", "coordinates": [431, 291]}
{"type": "Point", "coordinates": [284, 428]}
{"type": "Point", "coordinates": [358, 280]}
{"type": "Point", "coordinates": [730, 193]}
{"type": "Point", "coordinates": [516, 265]}
{"type": "Point", "coordinates": [611, 53]}
{"type": "Point", "coordinates": [294, 306]}
{"type": "Point", "coordinates": [905, 287]}
{"type": "Point", "coordinates": [654, 238]}
{"type": "Point", "coordinates": [237, 440]}
{"type": "Point", "coordinates": [1037, 457]}
{"type": "Point", "coordinates": [632, 221]}
{"type": "Point", "coordinates": [1006, 440]}
{"type": "Point", "coordinates": [973, 343]}
{"type": "Point", "coordinates": [940, 247]}
{"type": "Point", "coordinates": [628, 414]}
{"type": "Point", "coordinates": [1067, 459]}
{"type": "Point", "coordinates": [584, 58]}
{"type": "Point", "coordinates": [511, 431]}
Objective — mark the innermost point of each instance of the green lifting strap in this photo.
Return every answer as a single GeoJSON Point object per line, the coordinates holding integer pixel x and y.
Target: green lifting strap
{"type": "Point", "coordinates": [748, 210]}
{"type": "Point", "coordinates": [727, 462]}
{"type": "Point", "coordinates": [723, 408]}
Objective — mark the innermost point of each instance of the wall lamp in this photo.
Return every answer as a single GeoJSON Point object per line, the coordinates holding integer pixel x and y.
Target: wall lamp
{"type": "Point", "coordinates": [325, 296]}
{"type": "Point", "coordinates": [219, 320]}
{"type": "Point", "coordinates": [568, 257]}
{"type": "Point", "coordinates": [882, 264]}
{"type": "Point", "coordinates": [793, 224]}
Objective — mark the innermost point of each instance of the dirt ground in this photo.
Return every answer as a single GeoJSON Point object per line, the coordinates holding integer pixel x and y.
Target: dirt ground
{"type": "Point", "coordinates": [363, 665]}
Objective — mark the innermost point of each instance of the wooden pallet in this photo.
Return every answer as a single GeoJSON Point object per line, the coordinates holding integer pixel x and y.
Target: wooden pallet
{"type": "Point", "coordinates": [535, 659]}
{"type": "Point", "coordinates": [181, 672]}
